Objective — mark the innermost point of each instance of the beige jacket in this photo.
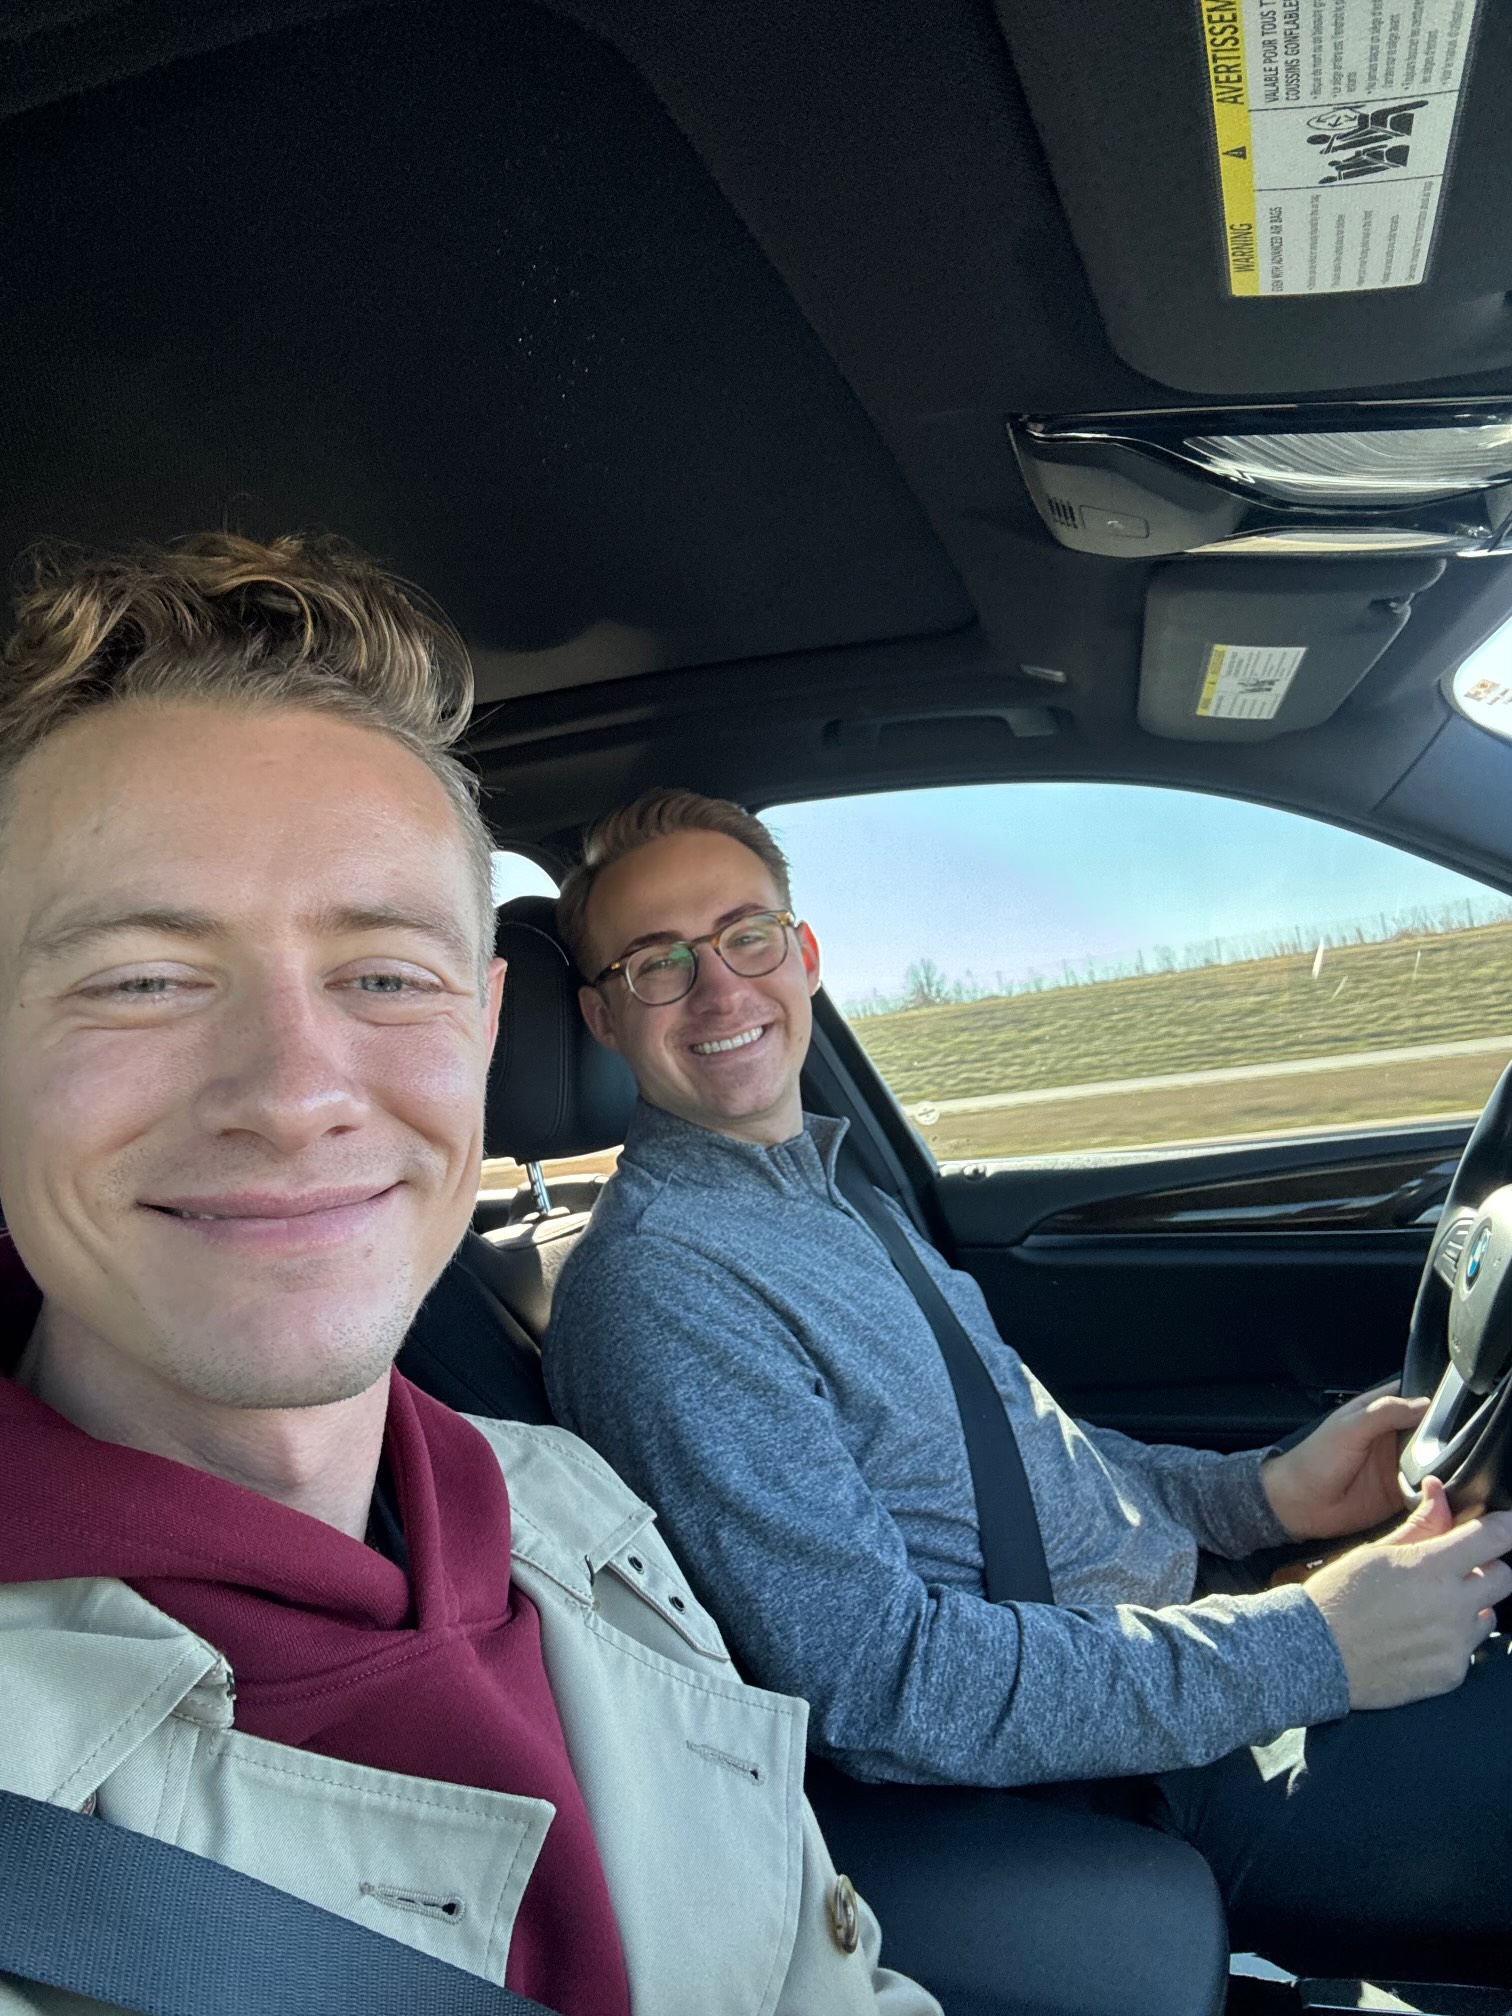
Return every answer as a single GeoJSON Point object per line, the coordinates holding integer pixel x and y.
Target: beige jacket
{"type": "Point", "coordinates": [726, 1899]}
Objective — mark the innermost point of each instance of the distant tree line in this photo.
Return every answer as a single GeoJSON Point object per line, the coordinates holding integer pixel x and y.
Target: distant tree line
{"type": "Point", "coordinates": [926, 985]}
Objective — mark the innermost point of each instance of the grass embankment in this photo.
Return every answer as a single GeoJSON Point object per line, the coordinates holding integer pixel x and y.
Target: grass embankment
{"type": "Point", "coordinates": [1410, 991]}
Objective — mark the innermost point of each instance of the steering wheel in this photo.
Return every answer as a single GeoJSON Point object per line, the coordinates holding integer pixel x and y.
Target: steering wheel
{"type": "Point", "coordinates": [1459, 1345]}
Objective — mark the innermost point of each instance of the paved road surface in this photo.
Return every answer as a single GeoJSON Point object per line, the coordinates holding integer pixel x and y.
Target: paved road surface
{"type": "Point", "coordinates": [1232, 1074]}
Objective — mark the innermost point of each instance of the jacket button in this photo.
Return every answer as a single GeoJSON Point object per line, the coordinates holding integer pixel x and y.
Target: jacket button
{"type": "Point", "coordinates": [845, 1919]}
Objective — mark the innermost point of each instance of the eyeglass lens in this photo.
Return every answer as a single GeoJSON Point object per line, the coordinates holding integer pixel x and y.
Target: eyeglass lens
{"type": "Point", "coordinates": [750, 947]}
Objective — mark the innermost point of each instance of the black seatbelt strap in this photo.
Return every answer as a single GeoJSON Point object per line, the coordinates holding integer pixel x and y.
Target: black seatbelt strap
{"type": "Point", "coordinates": [1013, 1550]}
{"type": "Point", "coordinates": [103, 1911]}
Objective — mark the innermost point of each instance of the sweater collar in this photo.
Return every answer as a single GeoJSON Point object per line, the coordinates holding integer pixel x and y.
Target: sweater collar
{"type": "Point", "coordinates": [664, 1145]}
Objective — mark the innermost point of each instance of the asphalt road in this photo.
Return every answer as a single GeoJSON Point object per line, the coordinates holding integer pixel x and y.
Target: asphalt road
{"type": "Point", "coordinates": [1231, 1074]}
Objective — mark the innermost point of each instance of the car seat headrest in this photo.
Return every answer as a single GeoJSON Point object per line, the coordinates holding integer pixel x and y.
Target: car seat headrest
{"type": "Point", "coordinates": [552, 1090]}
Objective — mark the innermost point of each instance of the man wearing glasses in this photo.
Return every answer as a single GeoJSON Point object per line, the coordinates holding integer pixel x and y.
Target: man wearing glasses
{"type": "Point", "coordinates": [731, 1333]}
{"type": "Point", "coordinates": [716, 1055]}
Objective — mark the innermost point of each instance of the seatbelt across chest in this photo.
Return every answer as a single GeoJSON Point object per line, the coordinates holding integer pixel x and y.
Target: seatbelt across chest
{"type": "Point", "coordinates": [138, 1924]}
{"type": "Point", "coordinates": [1013, 1550]}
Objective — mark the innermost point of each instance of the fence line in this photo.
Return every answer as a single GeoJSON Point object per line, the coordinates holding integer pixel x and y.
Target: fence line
{"type": "Point", "coordinates": [925, 985]}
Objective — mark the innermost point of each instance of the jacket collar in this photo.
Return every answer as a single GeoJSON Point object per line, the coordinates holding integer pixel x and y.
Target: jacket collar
{"type": "Point", "coordinates": [570, 1512]}
{"type": "Point", "coordinates": [128, 1666]}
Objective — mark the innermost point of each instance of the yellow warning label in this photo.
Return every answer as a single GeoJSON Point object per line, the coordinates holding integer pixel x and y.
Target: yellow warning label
{"type": "Point", "coordinates": [1214, 673]}
{"type": "Point", "coordinates": [1248, 682]}
{"type": "Point", "coordinates": [1334, 125]}
{"type": "Point", "coordinates": [1223, 34]}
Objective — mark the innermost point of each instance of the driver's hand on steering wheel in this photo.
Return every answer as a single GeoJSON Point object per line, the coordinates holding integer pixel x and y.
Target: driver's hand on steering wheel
{"type": "Point", "coordinates": [1408, 1612]}
{"type": "Point", "coordinates": [1343, 1478]}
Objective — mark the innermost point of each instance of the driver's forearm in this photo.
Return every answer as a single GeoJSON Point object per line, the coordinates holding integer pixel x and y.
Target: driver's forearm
{"type": "Point", "coordinates": [1220, 1500]}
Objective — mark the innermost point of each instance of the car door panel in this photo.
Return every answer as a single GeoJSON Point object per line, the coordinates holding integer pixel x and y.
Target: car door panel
{"type": "Point", "coordinates": [1222, 1299]}
{"type": "Point", "coordinates": [1217, 1341]}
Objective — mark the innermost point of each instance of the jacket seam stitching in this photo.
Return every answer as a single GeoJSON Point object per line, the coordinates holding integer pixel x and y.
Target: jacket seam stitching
{"type": "Point", "coordinates": [491, 1958]}
{"type": "Point", "coordinates": [797, 1851]}
{"type": "Point", "coordinates": [783, 1948]}
{"type": "Point", "coordinates": [580, 1592]}
{"type": "Point", "coordinates": [455, 1807]}
{"type": "Point", "coordinates": [712, 1647]}
{"type": "Point", "coordinates": [626, 1531]}
{"type": "Point", "coordinates": [178, 1734]}
{"type": "Point", "coordinates": [567, 1447]}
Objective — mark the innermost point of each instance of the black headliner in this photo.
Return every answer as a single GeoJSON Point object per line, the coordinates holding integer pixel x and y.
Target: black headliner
{"type": "Point", "coordinates": [671, 348]}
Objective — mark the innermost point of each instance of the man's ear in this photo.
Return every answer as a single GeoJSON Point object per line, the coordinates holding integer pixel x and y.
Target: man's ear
{"type": "Point", "coordinates": [596, 1014]}
{"type": "Point", "coordinates": [493, 996]}
{"type": "Point", "coordinates": [808, 946]}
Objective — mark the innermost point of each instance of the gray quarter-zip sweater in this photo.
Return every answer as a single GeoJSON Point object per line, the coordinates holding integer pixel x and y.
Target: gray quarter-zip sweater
{"type": "Point", "coordinates": [735, 1340]}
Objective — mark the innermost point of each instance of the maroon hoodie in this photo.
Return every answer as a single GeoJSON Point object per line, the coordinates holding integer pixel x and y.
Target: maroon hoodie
{"type": "Point", "coordinates": [334, 1647]}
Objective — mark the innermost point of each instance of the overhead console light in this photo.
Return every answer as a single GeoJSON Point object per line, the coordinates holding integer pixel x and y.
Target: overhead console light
{"type": "Point", "coordinates": [1431, 477]}
{"type": "Point", "coordinates": [1387, 465]}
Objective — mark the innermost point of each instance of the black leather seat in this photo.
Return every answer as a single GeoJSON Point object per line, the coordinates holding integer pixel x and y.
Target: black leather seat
{"type": "Point", "coordinates": [1003, 1906]}
{"type": "Point", "coordinates": [467, 1348]}
{"type": "Point", "coordinates": [552, 1093]}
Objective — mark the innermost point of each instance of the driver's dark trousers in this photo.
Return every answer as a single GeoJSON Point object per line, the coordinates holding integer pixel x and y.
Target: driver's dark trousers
{"type": "Point", "coordinates": [1379, 1846]}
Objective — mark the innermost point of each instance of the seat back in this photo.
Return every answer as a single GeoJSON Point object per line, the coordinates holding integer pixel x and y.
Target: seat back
{"type": "Point", "coordinates": [467, 1349]}
{"type": "Point", "coordinates": [552, 1092]}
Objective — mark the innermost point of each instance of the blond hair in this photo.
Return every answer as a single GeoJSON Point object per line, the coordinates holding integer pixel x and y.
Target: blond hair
{"type": "Point", "coordinates": [304, 621]}
{"type": "Point", "coordinates": [656, 815]}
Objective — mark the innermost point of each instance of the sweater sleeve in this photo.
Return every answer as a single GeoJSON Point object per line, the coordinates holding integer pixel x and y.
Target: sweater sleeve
{"type": "Point", "coordinates": [1220, 1500]}
{"type": "Point", "coordinates": [705, 1402]}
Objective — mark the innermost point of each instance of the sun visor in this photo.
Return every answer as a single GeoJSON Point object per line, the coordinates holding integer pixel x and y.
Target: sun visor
{"type": "Point", "coordinates": [1235, 653]}
{"type": "Point", "coordinates": [1283, 196]}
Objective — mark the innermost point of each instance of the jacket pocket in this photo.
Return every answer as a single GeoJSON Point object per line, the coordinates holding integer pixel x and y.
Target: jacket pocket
{"type": "Point", "coordinates": [439, 1867]}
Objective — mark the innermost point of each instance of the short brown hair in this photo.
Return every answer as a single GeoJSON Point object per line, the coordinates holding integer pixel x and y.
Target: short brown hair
{"type": "Point", "coordinates": [654, 816]}
{"type": "Point", "coordinates": [305, 621]}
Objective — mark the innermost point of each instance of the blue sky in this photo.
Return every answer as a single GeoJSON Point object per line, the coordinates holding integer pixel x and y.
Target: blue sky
{"type": "Point", "coordinates": [1009, 878]}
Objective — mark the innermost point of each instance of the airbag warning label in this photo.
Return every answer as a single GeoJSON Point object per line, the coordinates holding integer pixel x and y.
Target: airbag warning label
{"type": "Point", "coordinates": [1333, 122]}
{"type": "Point", "coordinates": [1248, 682]}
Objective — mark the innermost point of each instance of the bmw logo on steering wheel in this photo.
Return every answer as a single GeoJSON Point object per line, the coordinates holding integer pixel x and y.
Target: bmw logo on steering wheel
{"type": "Point", "coordinates": [1477, 1255]}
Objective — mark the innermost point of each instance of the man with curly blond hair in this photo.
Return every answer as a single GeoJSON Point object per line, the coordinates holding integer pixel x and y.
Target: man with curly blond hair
{"type": "Point", "coordinates": [260, 1597]}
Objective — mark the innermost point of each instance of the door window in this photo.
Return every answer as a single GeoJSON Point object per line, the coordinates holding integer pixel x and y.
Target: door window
{"type": "Point", "coordinates": [1048, 970]}
{"type": "Point", "coordinates": [517, 875]}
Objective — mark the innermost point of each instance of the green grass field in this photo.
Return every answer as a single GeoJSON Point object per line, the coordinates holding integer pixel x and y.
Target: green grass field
{"type": "Point", "coordinates": [1413, 990]}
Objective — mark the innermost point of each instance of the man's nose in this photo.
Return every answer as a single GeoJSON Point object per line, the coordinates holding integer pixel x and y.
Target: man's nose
{"type": "Point", "coordinates": [286, 1071]}
{"type": "Point", "coordinates": [715, 983]}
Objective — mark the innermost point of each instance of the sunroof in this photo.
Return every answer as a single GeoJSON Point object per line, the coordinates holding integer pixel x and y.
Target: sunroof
{"type": "Point", "coordinates": [451, 282]}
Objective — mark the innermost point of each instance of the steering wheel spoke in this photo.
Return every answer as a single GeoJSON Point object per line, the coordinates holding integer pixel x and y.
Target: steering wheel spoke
{"type": "Point", "coordinates": [1437, 1432]}
{"type": "Point", "coordinates": [1449, 1245]}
